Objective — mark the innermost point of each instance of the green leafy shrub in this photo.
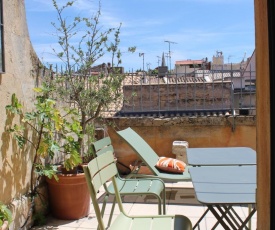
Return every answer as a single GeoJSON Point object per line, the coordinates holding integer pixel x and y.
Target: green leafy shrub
{"type": "Point", "coordinates": [48, 132]}
{"type": "Point", "coordinates": [5, 214]}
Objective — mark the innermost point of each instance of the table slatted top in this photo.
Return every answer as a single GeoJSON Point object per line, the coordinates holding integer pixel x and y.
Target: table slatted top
{"type": "Point", "coordinates": [224, 184]}
{"type": "Point", "coordinates": [221, 156]}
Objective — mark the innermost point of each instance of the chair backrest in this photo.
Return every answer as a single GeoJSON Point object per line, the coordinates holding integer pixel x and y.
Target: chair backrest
{"type": "Point", "coordinates": [141, 148]}
{"type": "Point", "coordinates": [102, 146]}
{"type": "Point", "coordinates": [98, 171]}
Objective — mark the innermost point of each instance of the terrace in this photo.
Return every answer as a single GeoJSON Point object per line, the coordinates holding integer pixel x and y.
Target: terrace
{"type": "Point", "coordinates": [225, 130]}
{"type": "Point", "coordinates": [178, 107]}
{"type": "Point", "coordinates": [180, 200]}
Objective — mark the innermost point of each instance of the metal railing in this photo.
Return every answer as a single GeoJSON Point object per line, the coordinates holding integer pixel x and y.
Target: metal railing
{"type": "Point", "coordinates": [204, 92]}
{"type": "Point", "coordinates": [200, 92]}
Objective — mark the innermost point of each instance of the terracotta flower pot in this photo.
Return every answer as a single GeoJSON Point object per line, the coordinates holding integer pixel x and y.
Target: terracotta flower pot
{"type": "Point", "coordinates": [69, 196]}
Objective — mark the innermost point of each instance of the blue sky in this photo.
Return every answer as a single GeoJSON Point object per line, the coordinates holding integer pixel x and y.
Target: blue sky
{"type": "Point", "coordinates": [198, 27]}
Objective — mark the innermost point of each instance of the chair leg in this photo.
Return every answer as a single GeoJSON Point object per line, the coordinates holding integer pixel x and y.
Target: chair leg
{"type": "Point", "coordinates": [112, 212]}
{"type": "Point", "coordinates": [159, 204]}
{"type": "Point", "coordinates": [164, 201]}
{"type": "Point", "coordinates": [249, 211]}
{"type": "Point", "coordinates": [104, 206]}
{"type": "Point", "coordinates": [163, 198]}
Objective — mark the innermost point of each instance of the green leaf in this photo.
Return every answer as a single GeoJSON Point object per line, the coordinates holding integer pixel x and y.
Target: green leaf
{"type": "Point", "coordinates": [72, 160]}
{"type": "Point", "coordinates": [48, 170]}
{"type": "Point", "coordinates": [20, 141]}
{"type": "Point", "coordinates": [29, 116]}
{"type": "Point", "coordinates": [43, 149]}
{"type": "Point", "coordinates": [5, 213]}
{"type": "Point", "coordinates": [38, 90]}
{"type": "Point", "coordinates": [58, 121]}
{"type": "Point", "coordinates": [55, 147]}
{"type": "Point", "coordinates": [15, 106]}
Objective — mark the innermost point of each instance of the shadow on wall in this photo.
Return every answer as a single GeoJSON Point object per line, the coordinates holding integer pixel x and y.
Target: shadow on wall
{"type": "Point", "coordinates": [13, 173]}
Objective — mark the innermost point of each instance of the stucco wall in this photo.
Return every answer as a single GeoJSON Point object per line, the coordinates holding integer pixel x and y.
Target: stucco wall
{"type": "Point", "coordinates": [198, 131]}
{"type": "Point", "coordinates": [19, 78]}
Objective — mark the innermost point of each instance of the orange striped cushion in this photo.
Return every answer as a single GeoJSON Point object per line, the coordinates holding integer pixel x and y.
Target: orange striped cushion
{"type": "Point", "coordinates": [170, 165]}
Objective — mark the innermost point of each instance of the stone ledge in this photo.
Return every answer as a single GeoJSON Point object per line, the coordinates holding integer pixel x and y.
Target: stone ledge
{"type": "Point", "coordinates": [185, 121]}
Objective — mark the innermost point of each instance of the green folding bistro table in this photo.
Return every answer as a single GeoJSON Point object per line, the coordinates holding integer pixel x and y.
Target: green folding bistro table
{"type": "Point", "coordinates": [221, 188]}
{"type": "Point", "coordinates": [223, 178]}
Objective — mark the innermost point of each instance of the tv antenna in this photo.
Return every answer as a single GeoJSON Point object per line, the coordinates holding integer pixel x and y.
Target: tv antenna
{"type": "Point", "coordinates": [169, 52]}
{"type": "Point", "coordinates": [142, 54]}
{"type": "Point", "coordinates": [158, 60]}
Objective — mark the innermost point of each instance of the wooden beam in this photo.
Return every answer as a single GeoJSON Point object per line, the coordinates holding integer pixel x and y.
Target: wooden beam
{"type": "Point", "coordinates": [263, 114]}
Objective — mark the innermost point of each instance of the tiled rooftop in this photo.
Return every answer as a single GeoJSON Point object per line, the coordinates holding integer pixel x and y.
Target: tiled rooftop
{"type": "Point", "coordinates": [180, 200]}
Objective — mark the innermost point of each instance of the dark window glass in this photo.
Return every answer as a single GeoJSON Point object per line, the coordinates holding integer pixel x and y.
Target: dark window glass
{"type": "Point", "coordinates": [2, 62]}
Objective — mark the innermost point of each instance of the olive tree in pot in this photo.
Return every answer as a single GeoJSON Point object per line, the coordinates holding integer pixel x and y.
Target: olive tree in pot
{"type": "Point", "coordinates": [78, 85]}
{"type": "Point", "coordinates": [51, 134]}
{"type": "Point", "coordinates": [89, 94]}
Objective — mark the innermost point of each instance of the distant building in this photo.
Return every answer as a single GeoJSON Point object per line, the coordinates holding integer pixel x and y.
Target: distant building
{"type": "Point", "coordinates": [189, 66]}
{"type": "Point", "coordinates": [195, 87]}
{"type": "Point", "coordinates": [218, 63]}
{"type": "Point", "coordinates": [163, 69]}
{"type": "Point", "coordinates": [249, 72]}
{"type": "Point", "coordinates": [105, 68]}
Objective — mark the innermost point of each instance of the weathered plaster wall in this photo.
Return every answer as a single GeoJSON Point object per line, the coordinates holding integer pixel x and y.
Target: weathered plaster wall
{"type": "Point", "coordinates": [19, 78]}
{"type": "Point", "coordinates": [198, 131]}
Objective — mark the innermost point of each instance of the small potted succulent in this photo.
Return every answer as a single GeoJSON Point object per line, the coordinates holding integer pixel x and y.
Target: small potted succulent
{"type": "Point", "coordinates": [5, 217]}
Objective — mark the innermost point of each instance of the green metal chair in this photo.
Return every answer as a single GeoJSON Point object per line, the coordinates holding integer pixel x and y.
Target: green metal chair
{"type": "Point", "coordinates": [103, 168]}
{"type": "Point", "coordinates": [149, 157]}
{"type": "Point", "coordinates": [142, 186]}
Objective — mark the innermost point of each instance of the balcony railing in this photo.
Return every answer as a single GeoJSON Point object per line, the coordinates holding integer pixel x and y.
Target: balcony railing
{"type": "Point", "coordinates": [203, 92]}
{"type": "Point", "coordinates": [197, 93]}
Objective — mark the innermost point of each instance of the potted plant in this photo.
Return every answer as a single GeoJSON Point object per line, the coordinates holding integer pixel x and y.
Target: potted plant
{"type": "Point", "coordinates": [77, 87]}
{"type": "Point", "coordinates": [55, 136]}
{"type": "Point", "coordinates": [52, 133]}
{"type": "Point", "coordinates": [5, 217]}
{"type": "Point", "coordinates": [89, 94]}
{"type": "Point", "coordinates": [89, 89]}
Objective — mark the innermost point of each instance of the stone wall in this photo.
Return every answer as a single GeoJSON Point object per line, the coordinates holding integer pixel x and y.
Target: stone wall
{"type": "Point", "coordinates": [189, 96]}
{"type": "Point", "coordinates": [20, 78]}
{"type": "Point", "coordinates": [197, 131]}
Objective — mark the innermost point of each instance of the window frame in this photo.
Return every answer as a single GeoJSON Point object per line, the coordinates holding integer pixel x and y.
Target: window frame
{"type": "Point", "coordinates": [2, 51]}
